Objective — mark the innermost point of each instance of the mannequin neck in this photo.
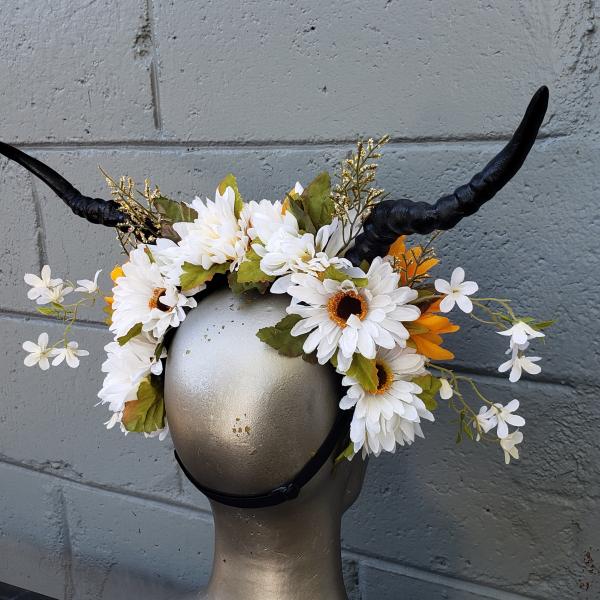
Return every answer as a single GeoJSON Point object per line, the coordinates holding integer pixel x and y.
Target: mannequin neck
{"type": "Point", "coordinates": [285, 552]}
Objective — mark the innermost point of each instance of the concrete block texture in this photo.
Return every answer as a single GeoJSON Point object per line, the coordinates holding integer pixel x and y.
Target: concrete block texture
{"type": "Point", "coordinates": [185, 92]}
{"type": "Point", "coordinates": [76, 71]}
{"type": "Point", "coordinates": [413, 69]}
{"type": "Point", "coordinates": [33, 549]}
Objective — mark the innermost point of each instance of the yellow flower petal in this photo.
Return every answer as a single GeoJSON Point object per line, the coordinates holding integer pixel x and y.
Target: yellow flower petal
{"type": "Point", "coordinates": [116, 273]}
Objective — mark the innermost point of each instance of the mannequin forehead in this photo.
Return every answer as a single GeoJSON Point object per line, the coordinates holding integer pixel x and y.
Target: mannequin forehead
{"type": "Point", "coordinates": [243, 418]}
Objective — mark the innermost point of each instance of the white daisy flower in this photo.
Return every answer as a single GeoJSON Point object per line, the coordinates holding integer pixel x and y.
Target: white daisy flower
{"type": "Point", "coordinates": [373, 427]}
{"type": "Point", "coordinates": [125, 367]}
{"type": "Point", "coordinates": [290, 252]}
{"type": "Point", "coordinates": [456, 292]}
{"type": "Point", "coordinates": [520, 333]}
{"type": "Point", "coordinates": [518, 363]}
{"type": "Point", "coordinates": [509, 445]}
{"type": "Point", "coordinates": [341, 316]}
{"type": "Point", "coordinates": [70, 353]}
{"type": "Point", "coordinates": [215, 236]}
{"type": "Point", "coordinates": [55, 295]}
{"type": "Point", "coordinates": [87, 286]}
{"type": "Point", "coordinates": [167, 255]}
{"type": "Point", "coordinates": [38, 353]}
{"type": "Point", "coordinates": [144, 296]}
{"type": "Point", "coordinates": [40, 284]}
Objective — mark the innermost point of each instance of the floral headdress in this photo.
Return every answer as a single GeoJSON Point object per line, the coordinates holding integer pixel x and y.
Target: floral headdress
{"type": "Point", "coordinates": [362, 297]}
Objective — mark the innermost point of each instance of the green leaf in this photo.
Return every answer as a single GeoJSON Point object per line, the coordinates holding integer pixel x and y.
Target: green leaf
{"type": "Point", "coordinates": [280, 338]}
{"type": "Point", "coordinates": [316, 200]}
{"type": "Point", "coordinates": [415, 328]}
{"type": "Point", "coordinates": [304, 221]}
{"type": "Point", "coordinates": [431, 386]}
{"type": "Point", "coordinates": [347, 453]}
{"type": "Point", "coordinates": [147, 413]}
{"type": "Point", "coordinates": [135, 330]}
{"type": "Point", "coordinates": [49, 311]}
{"type": "Point", "coordinates": [167, 232]}
{"type": "Point", "coordinates": [460, 427]}
{"type": "Point", "coordinates": [336, 274]}
{"type": "Point", "coordinates": [544, 324]}
{"type": "Point", "coordinates": [310, 358]}
{"type": "Point", "coordinates": [174, 212]}
{"type": "Point", "coordinates": [231, 181]}
{"type": "Point", "coordinates": [194, 275]}
{"type": "Point", "coordinates": [249, 271]}
{"type": "Point", "coordinates": [364, 370]}
{"type": "Point", "coordinates": [467, 430]}
{"type": "Point", "coordinates": [239, 288]}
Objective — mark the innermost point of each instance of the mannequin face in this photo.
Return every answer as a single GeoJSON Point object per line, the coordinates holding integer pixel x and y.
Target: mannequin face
{"type": "Point", "coordinates": [243, 418]}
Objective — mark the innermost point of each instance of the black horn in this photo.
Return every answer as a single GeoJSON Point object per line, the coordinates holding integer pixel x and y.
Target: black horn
{"type": "Point", "coordinates": [95, 210]}
{"type": "Point", "coordinates": [393, 218]}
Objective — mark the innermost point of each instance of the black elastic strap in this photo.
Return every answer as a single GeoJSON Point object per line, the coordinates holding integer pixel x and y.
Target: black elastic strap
{"type": "Point", "coordinates": [287, 491]}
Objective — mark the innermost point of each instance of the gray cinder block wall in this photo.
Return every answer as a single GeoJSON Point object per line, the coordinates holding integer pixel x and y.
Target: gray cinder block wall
{"type": "Point", "coordinates": [187, 91]}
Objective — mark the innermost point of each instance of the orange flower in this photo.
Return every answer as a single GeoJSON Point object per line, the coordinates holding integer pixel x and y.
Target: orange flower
{"type": "Point", "coordinates": [426, 333]}
{"type": "Point", "coordinates": [408, 262]}
{"type": "Point", "coordinates": [114, 275]}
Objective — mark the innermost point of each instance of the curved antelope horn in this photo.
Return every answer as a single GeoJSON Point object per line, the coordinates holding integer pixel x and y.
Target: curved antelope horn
{"type": "Point", "coordinates": [95, 210]}
{"type": "Point", "coordinates": [393, 218]}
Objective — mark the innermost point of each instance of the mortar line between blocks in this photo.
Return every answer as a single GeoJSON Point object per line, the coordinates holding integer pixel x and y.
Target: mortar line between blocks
{"type": "Point", "coordinates": [424, 575]}
{"type": "Point", "coordinates": [154, 79]}
{"type": "Point", "coordinates": [68, 592]}
{"type": "Point", "coordinates": [39, 224]}
{"type": "Point", "coordinates": [149, 498]}
{"type": "Point", "coordinates": [176, 144]}
{"type": "Point", "coordinates": [12, 314]}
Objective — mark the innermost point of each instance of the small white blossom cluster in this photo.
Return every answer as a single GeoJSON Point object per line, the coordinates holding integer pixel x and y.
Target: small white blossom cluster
{"type": "Point", "coordinates": [47, 291]}
{"type": "Point", "coordinates": [520, 335]}
{"type": "Point", "coordinates": [500, 417]}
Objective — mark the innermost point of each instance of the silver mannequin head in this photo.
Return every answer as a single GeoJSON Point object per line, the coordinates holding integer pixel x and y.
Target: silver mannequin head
{"type": "Point", "coordinates": [245, 419]}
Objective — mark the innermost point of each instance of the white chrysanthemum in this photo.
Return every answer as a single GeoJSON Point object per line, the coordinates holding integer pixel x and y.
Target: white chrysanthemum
{"type": "Point", "coordinates": [215, 236]}
{"type": "Point", "coordinates": [389, 415]}
{"type": "Point", "coordinates": [167, 256]}
{"type": "Point", "coordinates": [340, 315]}
{"type": "Point", "coordinates": [125, 367]}
{"type": "Point", "coordinates": [144, 296]}
{"type": "Point", "coordinates": [290, 252]}
{"type": "Point", "coordinates": [262, 220]}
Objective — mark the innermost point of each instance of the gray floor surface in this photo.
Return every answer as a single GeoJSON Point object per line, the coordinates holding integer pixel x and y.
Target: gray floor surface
{"type": "Point", "coordinates": [9, 592]}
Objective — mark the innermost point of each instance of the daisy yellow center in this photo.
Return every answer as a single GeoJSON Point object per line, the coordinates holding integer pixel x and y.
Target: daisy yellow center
{"type": "Point", "coordinates": [155, 302]}
{"type": "Point", "coordinates": [385, 377]}
{"type": "Point", "coordinates": [343, 304]}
